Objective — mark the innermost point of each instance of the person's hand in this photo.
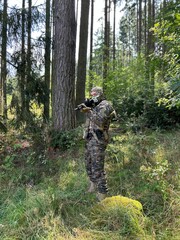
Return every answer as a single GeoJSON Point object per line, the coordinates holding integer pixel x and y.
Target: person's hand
{"type": "Point", "coordinates": [84, 108]}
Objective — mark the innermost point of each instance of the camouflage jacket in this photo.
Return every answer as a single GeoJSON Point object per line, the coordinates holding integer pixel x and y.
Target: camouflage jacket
{"type": "Point", "coordinates": [99, 118]}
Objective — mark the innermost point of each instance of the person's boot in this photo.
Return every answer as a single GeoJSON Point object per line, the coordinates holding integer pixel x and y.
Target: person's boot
{"type": "Point", "coordinates": [101, 196]}
{"type": "Point", "coordinates": [92, 187]}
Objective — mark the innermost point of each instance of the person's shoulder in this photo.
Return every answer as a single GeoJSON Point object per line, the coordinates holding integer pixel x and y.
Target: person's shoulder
{"type": "Point", "coordinates": [106, 103]}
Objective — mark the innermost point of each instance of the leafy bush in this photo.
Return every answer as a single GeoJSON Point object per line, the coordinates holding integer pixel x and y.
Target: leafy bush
{"type": "Point", "coordinates": [140, 112]}
{"type": "Point", "coordinates": [65, 139]}
{"type": "Point", "coordinates": [160, 116]}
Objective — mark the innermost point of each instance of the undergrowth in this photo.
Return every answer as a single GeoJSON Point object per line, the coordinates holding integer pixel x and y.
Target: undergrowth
{"type": "Point", "coordinates": [43, 191]}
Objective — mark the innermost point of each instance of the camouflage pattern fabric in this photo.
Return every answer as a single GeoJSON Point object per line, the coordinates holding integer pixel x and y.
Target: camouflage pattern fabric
{"type": "Point", "coordinates": [96, 135]}
{"type": "Point", "coordinates": [94, 161]}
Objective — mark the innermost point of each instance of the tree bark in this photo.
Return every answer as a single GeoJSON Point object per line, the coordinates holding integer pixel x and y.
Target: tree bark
{"type": "Point", "coordinates": [114, 36]}
{"type": "Point", "coordinates": [52, 61]}
{"type": "Point", "coordinates": [23, 62]}
{"type": "Point", "coordinates": [145, 27]}
{"type": "Point", "coordinates": [91, 46]}
{"type": "Point", "coordinates": [64, 65]}
{"type": "Point", "coordinates": [139, 35]}
{"type": "Point", "coordinates": [1, 91]}
{"type": "Point", "coordinates": [82, 60]}
{"type": "Point", "coordinates": [47, 62]}
{"type": "Point", "coordinates": [106, 42]}
{"type": "Point", "coordinates": [150, 47]}
{"type": "Point", "coordinates": [149, 37]}
{"type": "Point", "coordinates": [3, 99]}
{"type": "Point", "coordinates": [29, 62]}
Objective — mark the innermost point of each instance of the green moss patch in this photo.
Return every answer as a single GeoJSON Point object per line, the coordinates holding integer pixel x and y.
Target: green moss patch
{"type": "Point", "coordinates": [120, 214]}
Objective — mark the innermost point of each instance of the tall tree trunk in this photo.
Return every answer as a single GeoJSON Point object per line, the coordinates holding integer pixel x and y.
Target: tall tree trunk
{"type": "Point", "coordinates": [129, 40]}
{"type": "Point", "coordinates": [106, 42]}
{"type": "Point", "coordinates": [149, 36]}
{"type": "Point", "coordinates": [163, 68]}
{"type": "Point", "coordinates": [150, 48]}
{"type": "Point", "coordinates": [1, 92]}
{"type": "Point", "coordinates": [82, 59]}
{"type": "Point", "coordinates": [91, 46]}
{"type": "Point", "coordinates": [64, 65]}
{"type": "Point", "coordinates": [52, 61]}
{"type": "Point", "coordinates": [77, 11]}
{"type": "Point", "coordinates": [23, 63]}
{"type": "Point", "coordinates": [3, 99]}
{"type": "Point", "coordinates": [137, 24]}
{"type": "Point", "coordinates": [145, 27]}
{"type": "Point", "coordinates": [29, 61]}
{"type": "Point", "coordinates": [114, 35]}
{"type": "Point", "coordinates": [47, 61]}
{"type": "Point", "coordinates": [148, 43]}
{"type": "Point", "coordinates": [139, 35]}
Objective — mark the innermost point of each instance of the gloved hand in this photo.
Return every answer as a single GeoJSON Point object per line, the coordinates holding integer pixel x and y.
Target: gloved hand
{"type": "Point", "coordinates": [84, 108]}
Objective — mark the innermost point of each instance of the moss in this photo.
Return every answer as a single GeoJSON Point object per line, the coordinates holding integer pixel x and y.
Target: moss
{"type": "Point", "coordinates": [121, 201]}
{"type": "Point", "coordinates": [120, 214]}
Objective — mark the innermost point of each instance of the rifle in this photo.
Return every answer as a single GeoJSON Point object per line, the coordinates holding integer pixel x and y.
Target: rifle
{"type": "Point", "coordinates": [89, 103]}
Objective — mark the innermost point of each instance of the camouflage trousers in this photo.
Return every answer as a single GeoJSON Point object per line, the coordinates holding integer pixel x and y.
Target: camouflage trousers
{"type": "Point", "coordinates": [94, 162]}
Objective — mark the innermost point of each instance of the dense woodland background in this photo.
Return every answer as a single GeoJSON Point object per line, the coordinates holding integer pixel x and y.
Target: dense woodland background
{"type": "Point", "coordinates": [137, 65]}
{"type": "Point", "coordinates": [51, 55]}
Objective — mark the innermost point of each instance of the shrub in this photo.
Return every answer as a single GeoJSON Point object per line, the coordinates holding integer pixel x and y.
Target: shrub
{"type": "Point", "coordinates": [65, 139]}
{"type": "Point", "coordinates": [140, 112]}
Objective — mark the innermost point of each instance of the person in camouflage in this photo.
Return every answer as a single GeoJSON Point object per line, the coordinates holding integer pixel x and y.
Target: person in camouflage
{"type": "Point", "coordinates": [98, 120]}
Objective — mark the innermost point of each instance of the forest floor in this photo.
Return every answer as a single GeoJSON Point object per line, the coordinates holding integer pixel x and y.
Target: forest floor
{"type": "Point", "coordinates": [43, 191]}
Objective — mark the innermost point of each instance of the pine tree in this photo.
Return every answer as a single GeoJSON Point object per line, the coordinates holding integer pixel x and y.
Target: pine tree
{"type": "Point", "coordinates": [3, 99]}
{"type": "Point", "coordinates": [82, 59]}
{"type": "Point", "coordinates": [47, 61]}
{"type": "Point", "coordinates": [64, 65]}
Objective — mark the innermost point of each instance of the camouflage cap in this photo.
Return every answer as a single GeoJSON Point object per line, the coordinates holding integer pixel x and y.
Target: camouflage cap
{"type": "Point", "coordinates": [98, 90]}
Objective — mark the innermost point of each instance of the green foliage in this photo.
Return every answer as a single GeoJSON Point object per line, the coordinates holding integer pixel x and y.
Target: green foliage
{"type": "Point", "coordinates": [158, 115]}
{"type": "Point", "coordinates": [3, 127]}
{"type": "Point", "coordinates": [11, 85]}
{"type": "Point", "coordinates": [42, 192]}
{"type": "Point", "coordinates": [33, 86]}
{"type": "Point", "coordinates": [130, 94]}
{"type": "Point", "coordinates": [127, 81]}
{"type": "Point", "coordinates": [172, 97]}
{"type": "Point", "coordinates": [167, 34]}
{"type": "Point", "coordinates": [145, 171]}
{"type": "Point", "coordinates": [155, 175]}
{"type": "Point", "coordinates": [20, 154]}
{"type": "Point", "coordinates": [65, 139]}
{"type": "Point", "coordinates": [152, 103]}
{"type": "Point", "coordinates": [127, 29]}
{"type": "Point", "coordinates": [139, 113]}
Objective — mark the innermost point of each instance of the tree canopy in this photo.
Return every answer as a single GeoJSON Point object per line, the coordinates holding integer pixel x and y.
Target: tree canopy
{"type": "Point", "coordinates": [134, 58]}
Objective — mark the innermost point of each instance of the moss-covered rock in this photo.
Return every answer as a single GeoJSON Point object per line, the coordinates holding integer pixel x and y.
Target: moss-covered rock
{"type": "Point", "coordinates": [120, 214]}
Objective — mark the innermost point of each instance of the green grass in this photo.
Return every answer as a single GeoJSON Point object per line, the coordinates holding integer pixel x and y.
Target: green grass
{"type": "Point", "coordinates": [42, 193]}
